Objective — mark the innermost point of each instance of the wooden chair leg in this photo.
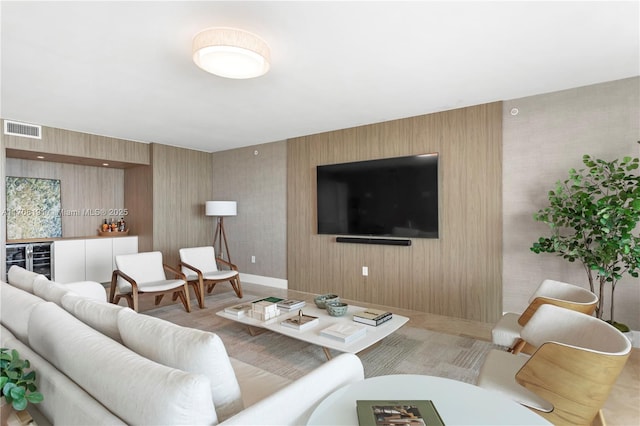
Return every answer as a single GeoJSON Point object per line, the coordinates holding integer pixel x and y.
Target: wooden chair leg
{"type": "Point", "coordinates": [134, 296]}
{"type": "Point", "coordinates": [199, 290]}
{"type": "Point", "coordinates": [237, 287]}
{"type": "Point", "coordinates": [517, 347]}
{"type": "Point", "coordinates": [112, 291]}
{"type": "Point", "coordinates": [159, 298]}
{"type": "Point", "coordinates": [184, 296]}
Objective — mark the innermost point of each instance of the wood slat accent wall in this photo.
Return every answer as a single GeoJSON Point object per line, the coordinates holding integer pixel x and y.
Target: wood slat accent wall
{"type": "Point", "coordinates": [182, 183]}
{"type": "Point", "coordinates": [80, 147]}
{"type": "Point", "coordinates": [138, 197]}
{"type": "Point", "coordinates": [86, 191]}
{"type": "Point", "coordinates": [458, 274]}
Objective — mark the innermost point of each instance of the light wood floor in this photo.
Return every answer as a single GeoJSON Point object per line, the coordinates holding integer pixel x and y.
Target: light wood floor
{"type": "Point", "coordinates": [621, 409]}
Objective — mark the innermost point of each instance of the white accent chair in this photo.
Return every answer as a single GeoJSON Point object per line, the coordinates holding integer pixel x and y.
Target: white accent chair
{"type": "Point", "coordinates": [144, 273]}
{"type": "Point", "coordinates": [567, 379]}
{"type": "Point", "coordinates": [201, 266]}
{"type": "Point", "coordinates": [506, 332]}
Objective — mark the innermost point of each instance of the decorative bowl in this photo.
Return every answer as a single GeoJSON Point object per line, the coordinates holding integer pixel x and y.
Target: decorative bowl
{"type": "Point", "coordinates": [326, 298]}
{"type": "Point", "coordinates": [336, 309]}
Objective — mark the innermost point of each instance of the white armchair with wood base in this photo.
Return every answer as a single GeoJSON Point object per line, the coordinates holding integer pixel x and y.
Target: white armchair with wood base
{"type": "Point", "coordinates": [144, 273]}
{"type": "Point", "coordinates": [567, 379]}
{"type": "Point", "coordinates": [201, 267]}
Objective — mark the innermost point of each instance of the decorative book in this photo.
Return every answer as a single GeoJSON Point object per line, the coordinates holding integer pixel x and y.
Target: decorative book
{"type": "Point", "coordinates": [373, 317]}
{"type": "Point", "coordinates": [264, 310]}
{"type": "Point", "coordinates": [291, 304]}
{"type": "Point", "coordinates": [345, 333]}
{"type": "Point", "coordinates": [392, 413]}
{"type": "Point", "coordinates": [300, 321]}
{"type": "Point", "coordinates": [239, 310]}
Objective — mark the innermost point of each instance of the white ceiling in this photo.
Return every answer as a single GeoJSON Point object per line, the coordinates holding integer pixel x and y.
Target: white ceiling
{"type": "Point", "coordinates": [124, 69]}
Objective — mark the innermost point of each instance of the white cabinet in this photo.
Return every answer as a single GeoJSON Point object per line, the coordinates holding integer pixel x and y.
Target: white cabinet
{"type": "Point", "coordinates": [123, 245]}
{"type": "Point", "coordinates": [68, 261]}
{"type": "Point", "coordinates": [89, 260]}
{"type": "Point", "coordinates": [98, 259]}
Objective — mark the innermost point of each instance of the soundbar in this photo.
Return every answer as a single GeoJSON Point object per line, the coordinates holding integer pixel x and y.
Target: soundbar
{"type": "Point", "coordinates": [383, 241]}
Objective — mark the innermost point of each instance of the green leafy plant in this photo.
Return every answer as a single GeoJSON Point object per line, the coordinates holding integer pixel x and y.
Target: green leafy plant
{"type": "Point", "coordinates": [16, 384]}
{"type": "Point", "coordinates": [592, 216]}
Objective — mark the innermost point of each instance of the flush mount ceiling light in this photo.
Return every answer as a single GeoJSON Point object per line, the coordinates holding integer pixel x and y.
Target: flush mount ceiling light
{"type": "Point", "coordinates": [231, 53]}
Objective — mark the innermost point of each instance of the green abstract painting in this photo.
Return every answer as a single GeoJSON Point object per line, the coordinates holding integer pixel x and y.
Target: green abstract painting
{"type": "Point", "coordinates": [33, 208]}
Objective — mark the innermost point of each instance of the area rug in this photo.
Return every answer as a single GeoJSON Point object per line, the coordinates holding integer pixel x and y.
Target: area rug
{"type": "Point", "coordinates": [410, 350]}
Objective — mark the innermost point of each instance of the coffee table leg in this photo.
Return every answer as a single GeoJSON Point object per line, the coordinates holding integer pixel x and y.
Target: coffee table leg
{"type": "Point", "coordinates": [327, 353]}
{"type": "Point", "coordinates": [255, 331]}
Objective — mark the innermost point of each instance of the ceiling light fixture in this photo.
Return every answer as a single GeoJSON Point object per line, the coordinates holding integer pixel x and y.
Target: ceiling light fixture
{"type": "Point", "coordinates": [231, 53]}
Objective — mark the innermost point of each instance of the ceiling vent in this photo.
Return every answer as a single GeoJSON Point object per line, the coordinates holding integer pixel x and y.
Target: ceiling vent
{"type": "Point", "coordinates": [24, 130]}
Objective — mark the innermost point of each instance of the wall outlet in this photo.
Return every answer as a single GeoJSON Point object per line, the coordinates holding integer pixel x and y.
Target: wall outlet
{"type": "Point", "coordinates": [253, 259]}
{"type": "Point", "coordinates": [365, 271]}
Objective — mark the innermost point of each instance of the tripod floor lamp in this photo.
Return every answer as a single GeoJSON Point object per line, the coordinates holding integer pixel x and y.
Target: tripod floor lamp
{"type": "Point", "coordinates": [220, 209]}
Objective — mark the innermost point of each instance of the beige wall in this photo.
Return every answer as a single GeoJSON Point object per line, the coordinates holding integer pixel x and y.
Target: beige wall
{"type": "Point", "coordinates": [255, 177]}
{"type": "Point", "coordinates": [458, 274]}
{"type": "Point", "coordinates": [549, 136]}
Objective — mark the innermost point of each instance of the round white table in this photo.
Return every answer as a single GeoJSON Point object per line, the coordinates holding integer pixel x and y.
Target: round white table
{"type": "Point", "coordinates": [458, 403]}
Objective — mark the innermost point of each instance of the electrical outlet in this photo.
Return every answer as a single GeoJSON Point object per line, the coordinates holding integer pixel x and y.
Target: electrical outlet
{"type": "Point", "coordinates": [365, 271]}
{"type": "Point", "coordinates": [253, 259]}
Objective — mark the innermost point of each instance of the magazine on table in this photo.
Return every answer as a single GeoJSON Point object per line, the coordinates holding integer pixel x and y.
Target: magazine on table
{"type": "Point", "coordinates": [396, 413]}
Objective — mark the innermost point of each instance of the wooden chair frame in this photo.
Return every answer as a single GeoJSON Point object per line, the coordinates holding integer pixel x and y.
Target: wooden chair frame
{"type": "Point", "coordinates": [132, 298]}
{"type": "Point", "coordinates": [199, 283]}
{"type": "Point", "coordinates": [576, 381]}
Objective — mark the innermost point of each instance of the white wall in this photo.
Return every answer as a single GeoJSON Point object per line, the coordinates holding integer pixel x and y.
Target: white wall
{"type": "Point", "coordinates": [548, 136]}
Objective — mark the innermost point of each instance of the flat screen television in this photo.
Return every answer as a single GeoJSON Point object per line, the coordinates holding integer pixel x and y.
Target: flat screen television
{"type": "Point", "coordinates": [391, 197]}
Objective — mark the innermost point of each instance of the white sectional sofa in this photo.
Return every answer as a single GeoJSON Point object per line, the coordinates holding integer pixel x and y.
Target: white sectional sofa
{"type": "Point", "coordinates": [103, 364]}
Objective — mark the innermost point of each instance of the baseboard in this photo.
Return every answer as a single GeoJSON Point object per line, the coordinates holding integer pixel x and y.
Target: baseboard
{"type": "Point", "coordinates": [266, 281]}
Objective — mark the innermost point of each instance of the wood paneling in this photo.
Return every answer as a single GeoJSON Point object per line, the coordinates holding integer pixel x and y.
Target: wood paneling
{"type": "Point", "coordinates": [88, 194]}
{"type": "Point", "coordinates": [181, 185]}
{"type": "Point", "coordinates": [83, 148]}
{"type": "Point", "coordinates": [458, 274]}
{"type": "Point", "coordinates": [138, 197]}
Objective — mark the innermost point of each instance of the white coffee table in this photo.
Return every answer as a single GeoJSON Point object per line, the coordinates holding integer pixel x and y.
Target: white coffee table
{"type": "Point", "coordinates": [458, 403]}
{"type": "Point", "coordinates": [312, 335]}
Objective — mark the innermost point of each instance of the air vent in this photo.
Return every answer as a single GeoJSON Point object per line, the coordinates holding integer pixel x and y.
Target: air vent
{"type": "Point", "coordinates": [24, 130]}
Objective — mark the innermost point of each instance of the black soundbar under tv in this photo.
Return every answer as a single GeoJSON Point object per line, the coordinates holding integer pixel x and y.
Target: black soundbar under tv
{"type": "Point", "coordinates": [383, 241]}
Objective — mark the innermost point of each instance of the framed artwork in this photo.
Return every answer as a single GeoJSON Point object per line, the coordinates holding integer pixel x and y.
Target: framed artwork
{"type": "Point", "coordinates": [33, 208]}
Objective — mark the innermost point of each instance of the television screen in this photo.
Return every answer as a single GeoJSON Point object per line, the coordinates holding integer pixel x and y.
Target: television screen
{"type": "Point", "coordinates": [391, 197]}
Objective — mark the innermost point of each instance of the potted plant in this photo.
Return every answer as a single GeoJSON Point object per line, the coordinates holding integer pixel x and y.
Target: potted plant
{"type": "Point", "coordinates": [17, 385]}
{"type": "Point", "coordinates": [593, 216]}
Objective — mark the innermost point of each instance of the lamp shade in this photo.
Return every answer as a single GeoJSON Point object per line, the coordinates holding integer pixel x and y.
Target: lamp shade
{"type": "Point", "coordinates": [221, 208]}
{"type": "Point", "coordinates": [231, 53]}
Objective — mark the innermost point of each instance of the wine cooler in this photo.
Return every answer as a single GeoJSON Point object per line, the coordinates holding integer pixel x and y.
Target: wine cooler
{"type": "Point", "coordinates": [34, 257]}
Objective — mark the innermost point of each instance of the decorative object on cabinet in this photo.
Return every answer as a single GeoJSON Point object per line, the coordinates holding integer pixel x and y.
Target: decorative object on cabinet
{"type": "Point", "coordinates": [220, 209]}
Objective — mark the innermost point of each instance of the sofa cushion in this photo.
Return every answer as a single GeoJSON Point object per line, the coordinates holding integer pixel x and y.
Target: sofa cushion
{"type": "Point", "coordinates": [255, 383]}
{"type": "Point", "coordinates": [16, 306]}
{"type": "Point", "coordinates": [88, 289]}
{"type": "Point", "coordinates": [49, 290]}
{"type": "Point", "coordinates": [21, 278]}
{"type": "Point", "coordinates": [188, 349]}
{"type": "Point", "coordinates": [99, 316]}
{"type": "Point", "coordinates": [136, 389]}
{"type": "Point", "coordinates": [65, 403]}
